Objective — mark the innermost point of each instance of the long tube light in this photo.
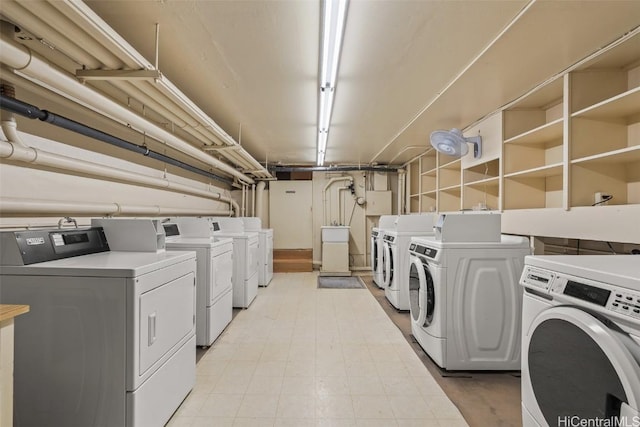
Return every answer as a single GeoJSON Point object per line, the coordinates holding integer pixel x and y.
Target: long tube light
{"type": "Point", "coordinates": [334, 14]}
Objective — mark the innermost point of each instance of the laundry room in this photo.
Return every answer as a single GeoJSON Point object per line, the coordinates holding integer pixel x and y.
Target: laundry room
{"type": "Point", "coordinates": [319, 213]}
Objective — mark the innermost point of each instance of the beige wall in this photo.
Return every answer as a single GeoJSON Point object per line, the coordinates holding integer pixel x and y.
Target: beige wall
{"type": "Point", "coordinates": [290, 213]}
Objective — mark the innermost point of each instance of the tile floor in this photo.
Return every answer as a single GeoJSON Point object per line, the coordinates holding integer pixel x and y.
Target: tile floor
{"type": "Point", "coordinates": [301, 356]}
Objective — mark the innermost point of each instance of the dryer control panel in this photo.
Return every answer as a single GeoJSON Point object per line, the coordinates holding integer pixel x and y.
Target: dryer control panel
{"type": "Point", "coordinates": [34, 246]}
{"type": "Point", "coordinates": [567, 287]}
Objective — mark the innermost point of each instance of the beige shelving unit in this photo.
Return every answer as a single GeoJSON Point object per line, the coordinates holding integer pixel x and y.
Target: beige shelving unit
{"type": "Point", "coordinates": [533, 149]}
{"type": "Point", "coordinates": [605, 128]}
{"type": "Point", "coordinates": [481, 188]}
{"type": "Point", "coordinates": [574, 136]}
{"type": "Point", "coordinates": [449, 184]}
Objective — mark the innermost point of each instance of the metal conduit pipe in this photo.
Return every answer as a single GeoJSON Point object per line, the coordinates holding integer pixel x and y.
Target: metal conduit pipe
{"type": "Point", "coordinates": [23, 60]}
{"type": "Point", "coordinates": [388, 168]}
{"type": "Point", "coordinates": [16, 150]}
{"type": "Point", "coordinates": [33, 112]}
{"type": "Point", "coordinates": [14, 206]}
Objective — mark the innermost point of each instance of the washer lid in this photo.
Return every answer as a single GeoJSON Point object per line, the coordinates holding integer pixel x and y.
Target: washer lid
{"type": "Point", "coordinates": [580, 366]}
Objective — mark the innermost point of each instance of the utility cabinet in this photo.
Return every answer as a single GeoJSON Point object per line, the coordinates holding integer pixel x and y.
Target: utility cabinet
{"type": "Point", "coordinates": [378, 203]}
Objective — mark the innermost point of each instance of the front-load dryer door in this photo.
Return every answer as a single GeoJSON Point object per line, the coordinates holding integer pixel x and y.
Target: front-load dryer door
{"type": "Point", "coordinates": [222, 268]}
{"type": "Point", "coordinates": [421, 292]}
{"type": "Point", "coordinates": [577, 365]}
{"type": "Point", "coordinates": [387, 270]}
{"type": "Point", "coordinates": [374, 254]}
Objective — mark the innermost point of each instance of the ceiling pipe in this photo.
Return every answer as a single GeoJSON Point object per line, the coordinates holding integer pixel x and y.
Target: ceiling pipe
{"type": "Point", "coordinates": [92, 34]}
{"type": "Point", "coordinates": [33, 112]}
{"type": "Point", "coordinates": [30, 65]}
{"type": "Point", "coordinates": [15, 206]}
{"type": "Point", "coordinates": [16, 150]}
{"type": "Point", "coordinates": [259, 195]}
{"type": "Point", "coordinates": [389, 168]}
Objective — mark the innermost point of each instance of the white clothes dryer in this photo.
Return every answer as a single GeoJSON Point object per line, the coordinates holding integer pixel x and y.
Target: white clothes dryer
{"type": "Point", "coordinates": [214, 293]}
{"type": "Point", "coordinates": [265, 266]}
{"type": "Point", "coordinates": [465, 301]}
{"type": "Point", "coordinates": [581, 340]}
{"type": "Point", "coordinates": [245, 251]}
{"type": "Point", "coordinates": [110, 336]}
{"type": "Point", "coordinates": [396, 255]}
{"type": "Point", "coordinates": [386, 222]}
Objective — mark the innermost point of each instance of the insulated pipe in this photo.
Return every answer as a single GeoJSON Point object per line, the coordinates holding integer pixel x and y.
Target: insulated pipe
{"type": "Point", "coordinates": [401, 192]}
{"type": "Point", "coordinates": [17, 151]}
{"type": "Point", "coordinates": [324, 195]}
{"type": "Point", "coordinates": [259, 196]}
{"type": "Point", "coordinates": [253, 200]}
{"type": "Point", "coordinates": [13, 206]}
{"type": "Point", "coordinates": [93, 43]}
{"type": "Point", "coordinates": [33, 112]}
{"type": "Point", "coordinates": [27, 63]}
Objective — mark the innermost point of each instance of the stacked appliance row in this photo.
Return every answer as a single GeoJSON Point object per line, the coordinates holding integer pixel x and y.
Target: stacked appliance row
{"type": "Point", "coordinates": [117, 310]}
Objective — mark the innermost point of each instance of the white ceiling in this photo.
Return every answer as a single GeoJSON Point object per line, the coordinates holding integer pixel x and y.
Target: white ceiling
{"type": "Point", "coordinates": [407, 68]}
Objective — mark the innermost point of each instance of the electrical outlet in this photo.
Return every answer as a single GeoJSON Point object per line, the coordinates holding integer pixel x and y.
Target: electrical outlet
{"type": "Point", "coordinates": [600, 198]}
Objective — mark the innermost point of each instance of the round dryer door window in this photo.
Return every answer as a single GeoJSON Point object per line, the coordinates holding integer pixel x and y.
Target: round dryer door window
{"type": "Point", "coordinates": [581, 367]}
{"type": "Point", "coordinates": [421, 292]}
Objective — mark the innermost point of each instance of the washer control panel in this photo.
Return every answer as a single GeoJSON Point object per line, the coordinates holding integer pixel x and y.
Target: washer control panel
{"type": "Point", "coordinates": [536, 278]}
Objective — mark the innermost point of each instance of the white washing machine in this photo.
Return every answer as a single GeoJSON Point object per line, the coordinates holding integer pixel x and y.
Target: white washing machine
{"type": "Point", "coordinates": [581, 340]}
{"type": "Point", "coordinates": [110, 336]}
{"type": "Point", "coordinates": [265, 266]}
{"type": "Point", "coordinates": [245, 251]}
{"type": "Point", "coordinates": [214, 293]}
{"type": "Point", "coordinates": [396, 255]}
{"type": "Point", "coordinates": [465, 300]}
{"type": "Point", "coordinates": [386, 222]}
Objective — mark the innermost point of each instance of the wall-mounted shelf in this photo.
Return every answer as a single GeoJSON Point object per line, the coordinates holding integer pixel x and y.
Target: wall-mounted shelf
{"type": "Point", "coordinates": [559, 145]}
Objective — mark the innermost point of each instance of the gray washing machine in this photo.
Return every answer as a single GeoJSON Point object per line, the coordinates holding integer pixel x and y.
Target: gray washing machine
{"type": "Point", "coordinates": [110, 336]}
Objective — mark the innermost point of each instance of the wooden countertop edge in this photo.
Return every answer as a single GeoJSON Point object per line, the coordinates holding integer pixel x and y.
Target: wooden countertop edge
{"type": "Point", "coordinates": [9, 311]}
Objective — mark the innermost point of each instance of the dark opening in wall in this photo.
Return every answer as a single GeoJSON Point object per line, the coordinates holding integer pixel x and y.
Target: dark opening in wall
{"type": "Point", "coordinates": [294, 176]}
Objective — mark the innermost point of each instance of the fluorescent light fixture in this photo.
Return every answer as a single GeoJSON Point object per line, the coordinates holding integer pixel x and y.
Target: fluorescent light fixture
{"type": "Point", "coordinates": [334, 14]}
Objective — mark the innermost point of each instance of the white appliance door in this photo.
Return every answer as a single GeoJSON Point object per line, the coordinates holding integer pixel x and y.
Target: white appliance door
{"type": "Point", "coordinates": [167, 316]}
{"type": "Point", "coordinates": [270, 254]}
{"type": "Point", "coordinates": [222, 270]}
{"type": "Point", "coordinates": [387, 271]}
{"type": "Point", "coordinates": [421, 292]}
{"type": "Point", "coordinates": [374, 254]}
{"type": "Point", "coordinates": [254, 258]}
{"type": "Point", "coordinates": [576, 365]}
